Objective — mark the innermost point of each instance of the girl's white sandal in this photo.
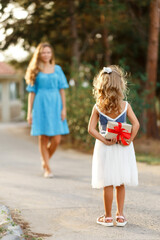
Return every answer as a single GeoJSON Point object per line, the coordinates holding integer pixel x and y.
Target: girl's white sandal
{"type": "Point", "coordinates": [104, 223]}
{"type": "Point", "coordinates": [121, 224]}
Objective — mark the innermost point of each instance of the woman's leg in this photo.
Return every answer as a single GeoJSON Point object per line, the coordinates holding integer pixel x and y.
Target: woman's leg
{"type": "Point", "coordinates": [120, 197]}
{"type": "Point", "coordinates": [108, 199]}
{"type": "Point", "coordinates": [54, 142]}
{"type": "Point", "coordinates": [43, 142]}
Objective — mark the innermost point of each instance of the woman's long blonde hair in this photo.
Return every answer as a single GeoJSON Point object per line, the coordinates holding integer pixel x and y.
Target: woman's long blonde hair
{"type": "Point", "coordinates": [35, 64]}
{"type": "Point", "coordinates": [110, 89]}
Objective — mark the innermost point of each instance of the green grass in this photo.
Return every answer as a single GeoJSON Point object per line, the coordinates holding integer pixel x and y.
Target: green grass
{"type": "Point", "coordinates": [148, 159]}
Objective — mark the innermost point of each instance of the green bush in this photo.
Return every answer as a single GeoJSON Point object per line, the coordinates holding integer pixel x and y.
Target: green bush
{"type": "Point", "coordinates": [79, 106]}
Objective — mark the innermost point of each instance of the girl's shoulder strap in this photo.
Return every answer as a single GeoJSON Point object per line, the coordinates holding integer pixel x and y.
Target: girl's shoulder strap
{"type": "Point", "coordinates": [126, 106]}
{"type": "Point", "coordinates": [96, 107]}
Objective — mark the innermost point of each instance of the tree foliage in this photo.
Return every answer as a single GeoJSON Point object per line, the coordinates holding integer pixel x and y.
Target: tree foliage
{"type": "Point", "coordinates": [126, 23]}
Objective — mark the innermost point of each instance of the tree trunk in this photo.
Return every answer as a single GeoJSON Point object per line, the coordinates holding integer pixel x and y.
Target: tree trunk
{"type": "Point", "coordinates": [74, 34]}
{"type": "Point", "coordinates": [152, 61]}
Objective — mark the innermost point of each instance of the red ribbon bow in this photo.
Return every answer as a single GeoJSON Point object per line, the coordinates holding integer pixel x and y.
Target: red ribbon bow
{"type": "Point", "coordinates": [121, 132]}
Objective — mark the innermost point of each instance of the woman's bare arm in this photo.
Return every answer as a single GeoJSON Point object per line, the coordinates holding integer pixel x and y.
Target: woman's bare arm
{"type": "Point", "coordinates": [93, 131]}
{"type": "Point", "coordinates": [31, 97]}
{"type": "Point", "coordinates": [63, 112]}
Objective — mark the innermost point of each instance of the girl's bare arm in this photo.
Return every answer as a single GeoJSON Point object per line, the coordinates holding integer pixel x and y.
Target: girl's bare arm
{"type": "Point", "coordinates": [134, 121]}
{"type": "Point", "coordinates": [93, 131]}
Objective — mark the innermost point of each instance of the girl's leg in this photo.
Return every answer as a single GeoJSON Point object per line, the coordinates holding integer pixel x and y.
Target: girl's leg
{"type": "Point", "coordinates": [108, 199]}
{"type": "Point", "coordinates": [54, 142]}
{"type": "Point", "coordinates": [43, 142]}
{"type": "Point", "coordinates": [120, 197]}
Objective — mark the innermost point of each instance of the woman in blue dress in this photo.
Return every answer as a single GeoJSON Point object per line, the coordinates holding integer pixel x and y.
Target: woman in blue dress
{"type": "Point", "coordinates": [46, 102]}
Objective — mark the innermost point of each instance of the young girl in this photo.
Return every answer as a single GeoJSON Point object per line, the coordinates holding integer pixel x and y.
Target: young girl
{"type": "Point", "coordinates": [46, 102]}
{"type": "Point", "coordinates": [114, 165]}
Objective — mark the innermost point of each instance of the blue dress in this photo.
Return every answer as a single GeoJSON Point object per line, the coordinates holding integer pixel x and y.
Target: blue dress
{"type": "Point", "coordinates": [47, 105]}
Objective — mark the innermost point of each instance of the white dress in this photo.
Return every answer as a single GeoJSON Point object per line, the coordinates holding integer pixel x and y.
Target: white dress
{"type": "Point", "coordinates": [115, 164]}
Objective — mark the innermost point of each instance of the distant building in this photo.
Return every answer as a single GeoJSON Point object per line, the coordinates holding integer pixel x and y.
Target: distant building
{"type": "Point", "coordinates": [11, 91]}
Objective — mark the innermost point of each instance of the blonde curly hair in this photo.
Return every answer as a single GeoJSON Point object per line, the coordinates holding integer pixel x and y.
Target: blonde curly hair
{"type": "Point", "coordinates": [110, 89]}
{"type": "Point", "coordinates": [35, 64]}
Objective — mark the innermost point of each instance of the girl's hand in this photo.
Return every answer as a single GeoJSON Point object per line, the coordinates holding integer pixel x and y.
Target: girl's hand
{"type": "Point", "coordinates": [63, 114]}
{"type": "Point", "coordinates": [29, 119]}
{"type": "Point", "coordinates": [110, 142]}
{"type": "Point", "coordinates": [128, 141]}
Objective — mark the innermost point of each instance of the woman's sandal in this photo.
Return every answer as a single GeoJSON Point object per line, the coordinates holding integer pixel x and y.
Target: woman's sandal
{"type": "Point", "coordinates": [48, 175]}
{"type": "Point", "coordinates": [121, 224]}
{"type": "Point", "coordinates": [104, 219]}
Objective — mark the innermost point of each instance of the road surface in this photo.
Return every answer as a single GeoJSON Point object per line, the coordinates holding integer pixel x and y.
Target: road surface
{"type": "Point", "coordinates": [66, 207]}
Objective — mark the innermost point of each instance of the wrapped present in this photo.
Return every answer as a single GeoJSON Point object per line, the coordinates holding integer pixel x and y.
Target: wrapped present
{"type": "Point", "coordinates": [121, 131]}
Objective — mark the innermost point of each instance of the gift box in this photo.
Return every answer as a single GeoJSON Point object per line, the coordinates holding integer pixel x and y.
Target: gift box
{"type": "Point", "coordinates": [121, 131]}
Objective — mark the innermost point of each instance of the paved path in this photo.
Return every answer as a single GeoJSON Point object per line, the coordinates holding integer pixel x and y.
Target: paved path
{"type": "Point", "coordinates": [66, 206]}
